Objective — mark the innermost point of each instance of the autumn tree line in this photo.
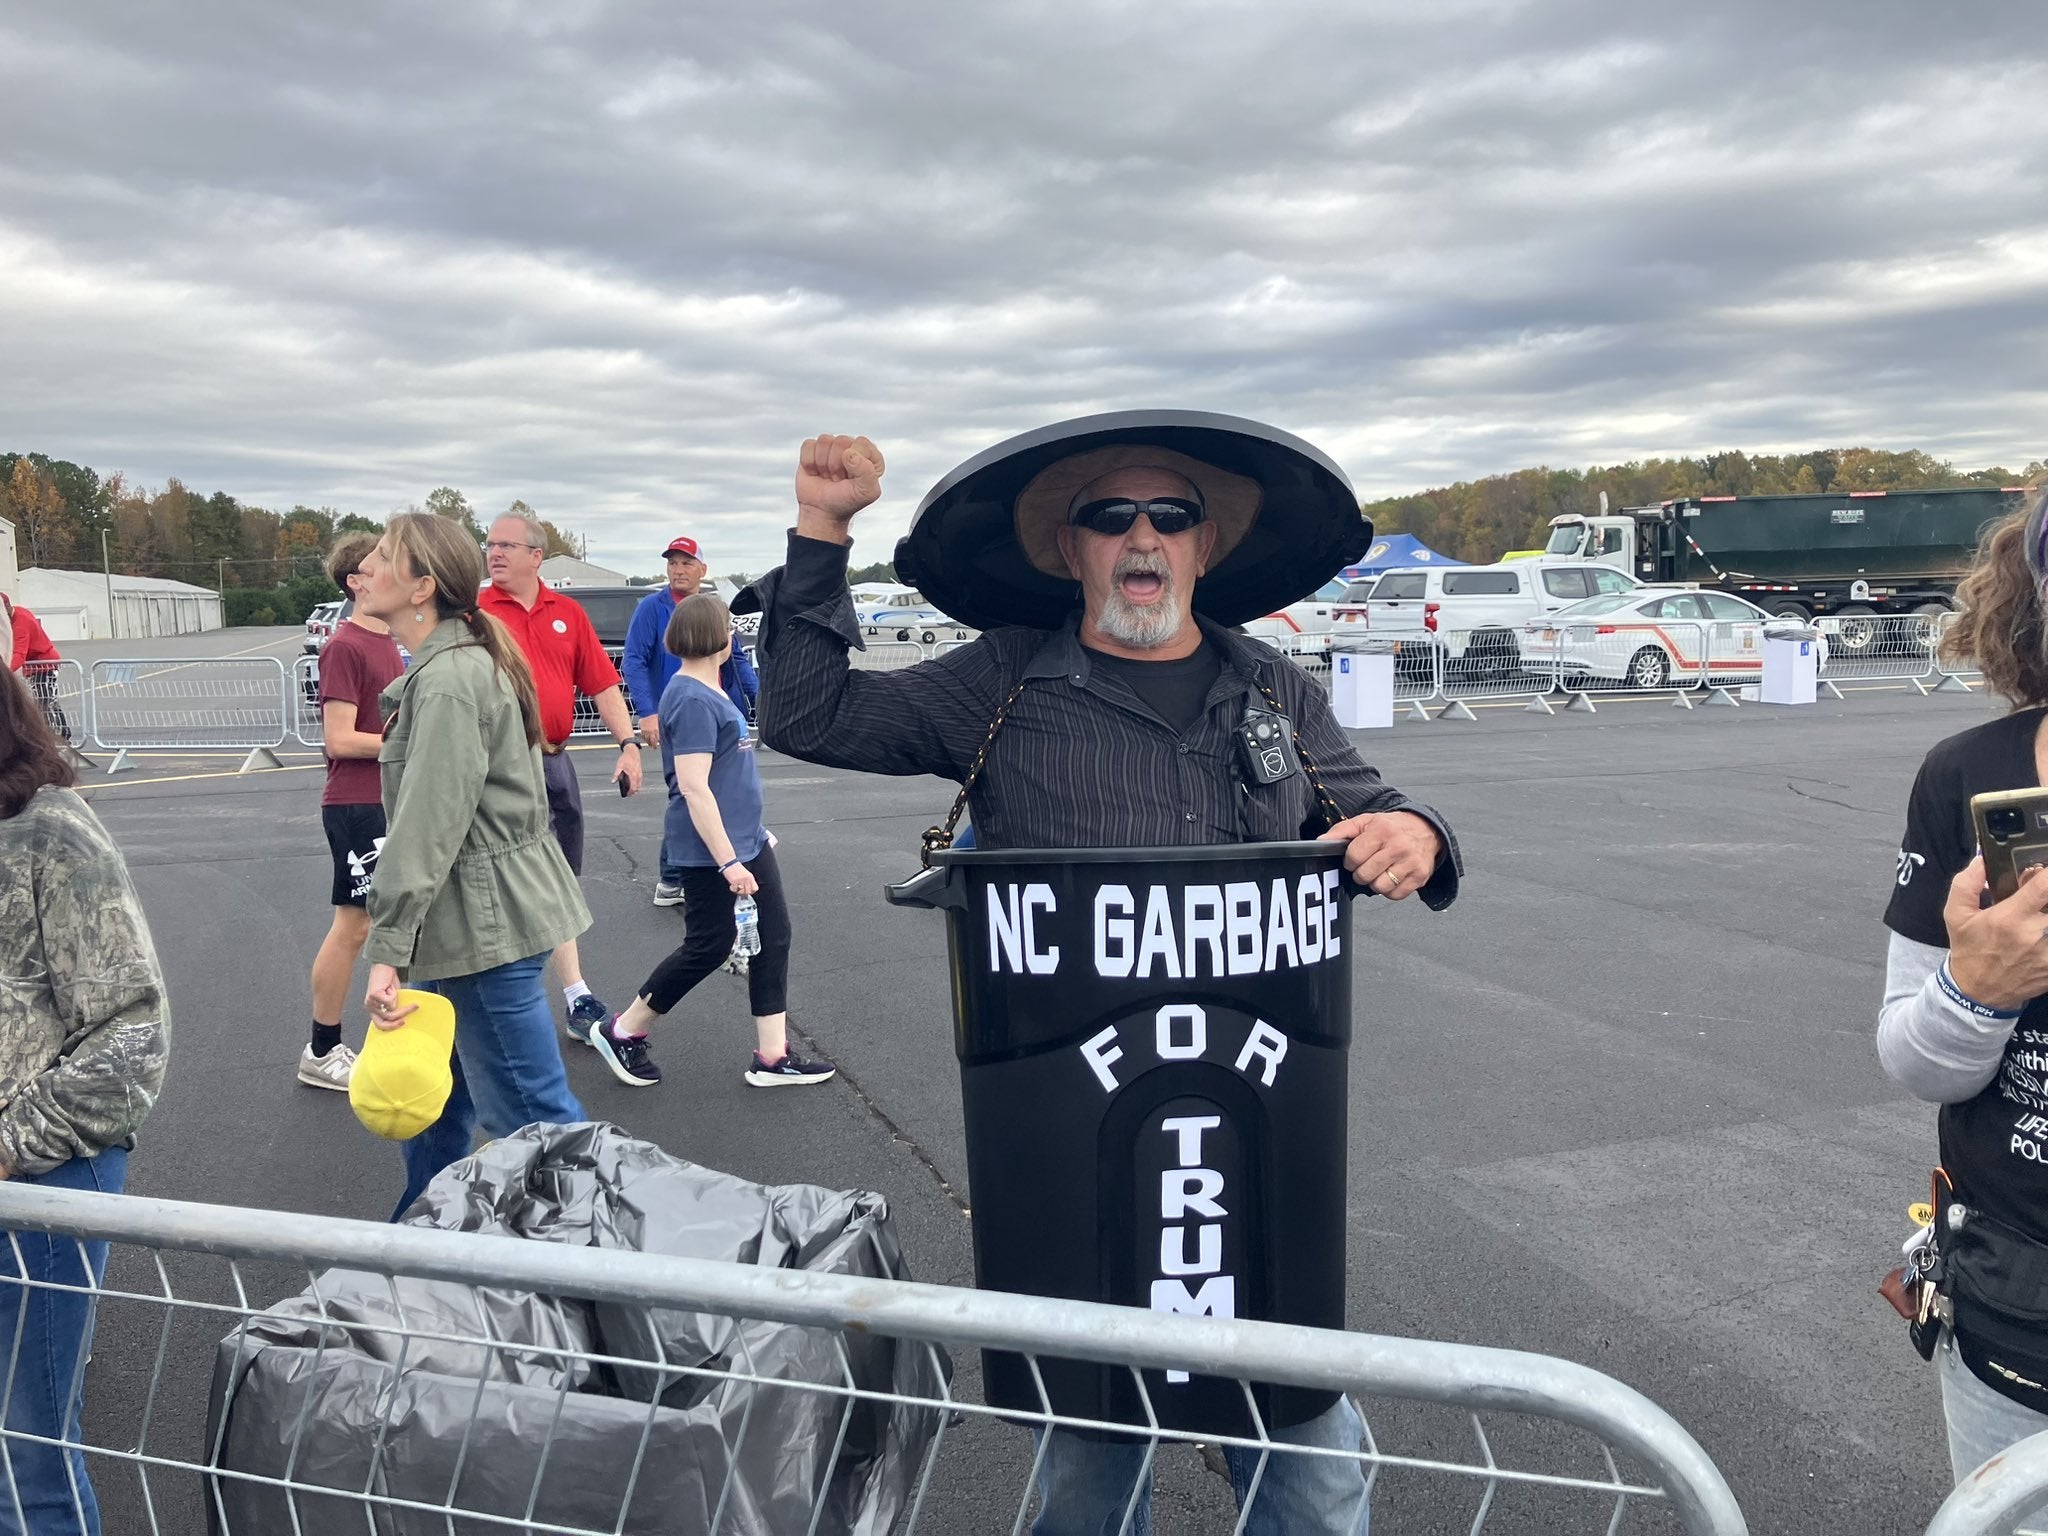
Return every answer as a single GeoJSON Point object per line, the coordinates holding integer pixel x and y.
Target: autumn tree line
{"type": "Point", "coordinates": [265, 564]}
{"type": "Point", "coordinates": [1481, 520]}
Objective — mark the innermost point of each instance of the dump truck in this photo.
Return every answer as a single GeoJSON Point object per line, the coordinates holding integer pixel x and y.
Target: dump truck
{"type": "Point", "coordinates": [1856, 556]}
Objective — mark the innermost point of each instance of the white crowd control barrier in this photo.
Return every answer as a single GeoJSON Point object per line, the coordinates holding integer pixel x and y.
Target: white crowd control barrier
{"type": "Point", "coordinates": [1949, 677]}
{"type": "Point", "coordinates": [1409, 666]}
{"type": "Point", "coordinates": [1878, 646]}
{"type": "Point", "coordinates": [2007, 1496]}
{"type": "Point", "coordinates": [1418, 676]}
{"type": "Point", "coordinates": [1637, 656]}
{"type": "Point", "coordinates": [1552, 1445]}
{"type": "Point", "coordinates": [209, 704]}
{"type": "Point", "coordinates": [1483, 663]}
{"type": "Point", "coordinates": [587, 721]}
{"type": "Point", "coordinates": [59, 689]}
{"type": "Point", "coordinates": [885, 656]}
{"type": "Point", "coordinates": [307, 725]}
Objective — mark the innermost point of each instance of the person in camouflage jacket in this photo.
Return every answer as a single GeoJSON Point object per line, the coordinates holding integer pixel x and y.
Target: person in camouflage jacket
{"type": "Point", "coordinates": [84, 1033]}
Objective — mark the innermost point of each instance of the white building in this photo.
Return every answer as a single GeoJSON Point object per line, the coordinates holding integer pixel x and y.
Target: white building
{"type": "Point", "coordinates": [568, 571]}
{"type": "Point", "coordinates": [87, 605]}
{"type": "Point", "coordinates": [10, 577]}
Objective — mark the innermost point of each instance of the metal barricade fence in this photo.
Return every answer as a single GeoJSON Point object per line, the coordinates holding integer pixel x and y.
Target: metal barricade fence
{"type": "Point", "coordinates": [2007, 1496]}
{"type": "Point", "coordinates": [1636, 657]}
{"type": "Point", "coordinates": [887, 656]}
{"type": "Point", "coordinates": [1418, 675]}
{"type": "Point", "coordinates": [586, 721]}
{"type": "Point", "coordinates": [307, 725]}
{"type": "Point", "coordinates": [1316, 664]}
{"type": "Point", "coordinates": [1898, 646]}
{"type": "Point", "coordinates": [1948, 677]}
{"type": "Point", "coordinates": [179, 1304]}
{"type": "Point", "coordinates": [1416, 678]}
{"type": "Point", "coordinates": [1486, 663]}
{"type": "Point", "coordinates": [59, 689]}
{"type": "Point", "coordinates": [210, 704]}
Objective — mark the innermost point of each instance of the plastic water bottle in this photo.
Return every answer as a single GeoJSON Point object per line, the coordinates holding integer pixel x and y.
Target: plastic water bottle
{"type": "Point", "coordinates": [746, 918]}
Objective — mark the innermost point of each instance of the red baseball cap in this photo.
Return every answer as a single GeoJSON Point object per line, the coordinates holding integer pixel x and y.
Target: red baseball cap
{"type": "Point", "coordinates": [683, 547]}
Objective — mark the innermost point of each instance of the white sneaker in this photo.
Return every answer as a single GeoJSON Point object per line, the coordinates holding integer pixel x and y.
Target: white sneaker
{"type": "Point", "coordinates": [666, 895]}
{"type": "Point", "coordinates": [329, 1071]}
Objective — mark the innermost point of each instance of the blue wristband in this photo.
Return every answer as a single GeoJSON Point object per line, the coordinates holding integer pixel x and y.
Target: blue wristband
{"type": "Point", "coordinates": [1956, 995]}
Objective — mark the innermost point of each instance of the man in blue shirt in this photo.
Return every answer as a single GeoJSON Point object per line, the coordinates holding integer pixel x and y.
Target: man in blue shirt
{"type": "Point", "coordinates": [648, 665]}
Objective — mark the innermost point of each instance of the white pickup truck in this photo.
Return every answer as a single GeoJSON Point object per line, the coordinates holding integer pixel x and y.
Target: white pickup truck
{"type": "Point", "coordinates": [1473, 614]}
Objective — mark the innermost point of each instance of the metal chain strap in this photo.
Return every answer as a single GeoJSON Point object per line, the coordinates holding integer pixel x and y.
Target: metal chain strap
{"type": "Point", "coordinates": [938, 838]}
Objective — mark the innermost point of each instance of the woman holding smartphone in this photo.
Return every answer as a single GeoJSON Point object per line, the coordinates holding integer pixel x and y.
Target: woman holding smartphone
{"type": "Point", "coordinates": [1965, 1016]}
{"type": "Point", "coordinates": [472, 892]}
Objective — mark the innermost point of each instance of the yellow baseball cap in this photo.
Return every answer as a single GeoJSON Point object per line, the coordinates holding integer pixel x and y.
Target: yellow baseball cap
{"type": "Point", "coordinates": [402, 1079]}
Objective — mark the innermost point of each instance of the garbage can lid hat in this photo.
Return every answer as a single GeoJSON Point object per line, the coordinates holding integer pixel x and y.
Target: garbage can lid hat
{"type": "Point", "coordinates": [984, 544]}
{"type": "Point", "coordinates": [402, 1079]}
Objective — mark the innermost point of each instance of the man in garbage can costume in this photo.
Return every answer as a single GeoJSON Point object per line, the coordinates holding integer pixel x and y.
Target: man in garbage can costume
{"type": "Point", "coordinates": [1107, 705]}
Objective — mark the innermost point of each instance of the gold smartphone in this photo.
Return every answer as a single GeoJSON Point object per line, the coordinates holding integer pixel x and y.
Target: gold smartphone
{"type": "Point", "coordinates": [2012, 832]}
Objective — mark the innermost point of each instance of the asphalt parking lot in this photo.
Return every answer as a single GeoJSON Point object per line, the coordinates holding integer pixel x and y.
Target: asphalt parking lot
{"type": "Point", "coordinates": [1619, 1104]}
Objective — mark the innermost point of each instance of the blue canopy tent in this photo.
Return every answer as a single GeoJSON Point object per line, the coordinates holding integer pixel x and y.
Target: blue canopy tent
{"type": "Point", "coordinates": [1395, 551]}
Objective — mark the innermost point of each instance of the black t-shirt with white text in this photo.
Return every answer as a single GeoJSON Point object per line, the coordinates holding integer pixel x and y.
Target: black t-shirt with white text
{"type": "Point", "coordinates": [1994, 1146]}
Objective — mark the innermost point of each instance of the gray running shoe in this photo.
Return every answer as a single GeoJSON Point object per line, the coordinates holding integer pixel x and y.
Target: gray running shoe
{"type": "Point", "coordinates": [329, 1071]}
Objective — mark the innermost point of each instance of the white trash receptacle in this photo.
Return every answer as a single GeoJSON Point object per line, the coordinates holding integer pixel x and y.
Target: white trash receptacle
{"type": "Point", "coordinates": [1362, 690]}
{"type": "Point", "coordinates": [1791, 668]}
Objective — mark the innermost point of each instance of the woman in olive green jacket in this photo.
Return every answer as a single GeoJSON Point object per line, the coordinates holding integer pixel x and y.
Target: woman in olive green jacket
{"type": "Point", "coordinates": [471, 891]}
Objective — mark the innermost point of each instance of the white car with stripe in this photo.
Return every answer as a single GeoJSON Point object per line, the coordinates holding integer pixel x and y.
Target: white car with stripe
{"type": "Point", "coordinates": [1655, 637]}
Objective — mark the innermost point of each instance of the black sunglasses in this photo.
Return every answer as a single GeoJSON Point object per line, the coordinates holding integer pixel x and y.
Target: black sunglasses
{"type": "Point", "coordinates": [1167, 514]}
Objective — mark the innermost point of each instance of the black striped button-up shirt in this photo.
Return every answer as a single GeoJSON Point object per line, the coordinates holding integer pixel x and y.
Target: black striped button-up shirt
{"type": "Point", "coordinates": [1082, 761]}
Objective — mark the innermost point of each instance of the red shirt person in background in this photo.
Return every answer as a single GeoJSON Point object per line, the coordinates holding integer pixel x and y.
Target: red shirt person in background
{"type": "Point", "coordinates": [566, 657]}
{"type": "Point", "coordinates": [34, 655]}
{"type": "Point", "coordinates": [356, 664]}
{"type": "Point", "coordinates": [31, 641]}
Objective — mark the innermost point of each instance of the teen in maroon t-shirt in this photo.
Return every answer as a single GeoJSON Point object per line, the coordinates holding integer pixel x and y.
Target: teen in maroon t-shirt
{"type": "Point", "coordinates": [359, 661]}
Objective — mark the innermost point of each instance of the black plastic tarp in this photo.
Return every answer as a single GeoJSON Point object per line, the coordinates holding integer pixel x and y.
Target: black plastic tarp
{"type": "Point", "coordinates": [491, 1430]}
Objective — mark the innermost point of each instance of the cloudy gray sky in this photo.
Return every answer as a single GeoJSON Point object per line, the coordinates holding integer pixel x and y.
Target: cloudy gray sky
{"type": "Point", "coordinates": [616, 258]}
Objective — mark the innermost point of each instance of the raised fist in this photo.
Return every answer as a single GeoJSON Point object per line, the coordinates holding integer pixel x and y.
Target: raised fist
{"type": "Point", "coordinates": [835, 478]}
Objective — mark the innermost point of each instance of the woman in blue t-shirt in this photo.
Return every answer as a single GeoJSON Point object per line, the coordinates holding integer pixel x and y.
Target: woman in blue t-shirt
{"type": "Point", "coordinates": [714, 837]}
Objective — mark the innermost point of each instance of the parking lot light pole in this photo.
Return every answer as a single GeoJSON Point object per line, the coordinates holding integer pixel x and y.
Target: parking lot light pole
{"type": "Point", "coordinates": [107, 566]}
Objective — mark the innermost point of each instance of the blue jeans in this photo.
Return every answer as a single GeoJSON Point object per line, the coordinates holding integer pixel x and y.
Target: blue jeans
{"type": "Point", "coordinates": [1981, 1422]}
{"type": "Point", "coordinates": [1083, 1485]}
{"type": "Point", "coordinates": [48, 1336]}
{"type": "Point", "coordinates": [508, 1068]}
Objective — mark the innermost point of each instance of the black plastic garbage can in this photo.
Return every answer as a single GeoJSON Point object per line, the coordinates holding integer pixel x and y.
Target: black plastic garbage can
{"type": "Point", "coordinates": [1153, 1047]}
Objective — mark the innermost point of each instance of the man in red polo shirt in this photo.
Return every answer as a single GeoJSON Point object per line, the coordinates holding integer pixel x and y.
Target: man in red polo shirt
{"type": "Point", "coordinates": [566, 656]}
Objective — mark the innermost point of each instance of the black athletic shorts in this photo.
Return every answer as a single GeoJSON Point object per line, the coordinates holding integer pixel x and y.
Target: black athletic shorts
{"type": "Point", "coordinates": [355, 836]}
{"type": "Point", "coordinates": [565, 807]}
